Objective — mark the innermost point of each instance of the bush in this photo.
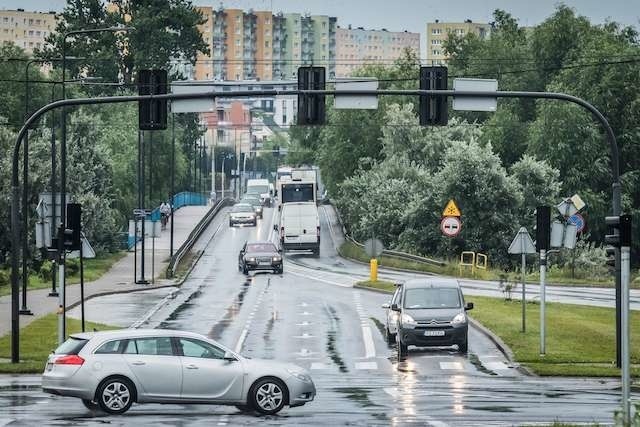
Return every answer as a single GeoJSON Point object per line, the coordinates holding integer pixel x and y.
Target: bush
{"type": "Point", "coordinates": [72, 266]}
{"type": "Point", "coordinates": [4, 278]}
{"type": "Point", "coordinates": [46, 271]}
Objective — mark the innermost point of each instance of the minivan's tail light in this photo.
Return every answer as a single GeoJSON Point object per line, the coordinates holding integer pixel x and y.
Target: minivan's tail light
{"type": "Point", "coordinates": [69, 359]}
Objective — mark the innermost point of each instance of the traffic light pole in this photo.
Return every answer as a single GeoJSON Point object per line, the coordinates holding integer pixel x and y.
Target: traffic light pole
{"type": "Point", "coordinates": [625, 269]}
{"type": "Point", "coordinates": [15, 178]}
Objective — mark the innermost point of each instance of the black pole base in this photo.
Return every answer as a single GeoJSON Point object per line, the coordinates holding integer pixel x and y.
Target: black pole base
{"type": "Point", "coordinates": [25, 311]}
{"type": "Point", "coordinates": [53, 294]}
{"type": "Point", "coordinates": [142, 282]}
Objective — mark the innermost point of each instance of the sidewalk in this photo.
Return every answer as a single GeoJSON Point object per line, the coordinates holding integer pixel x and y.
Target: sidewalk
{"type": "Point", "coordinates": [119, 278]}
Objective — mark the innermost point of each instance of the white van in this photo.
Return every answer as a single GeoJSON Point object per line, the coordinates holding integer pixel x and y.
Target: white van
{"type": "Point", "coordinates": [260, 188]}
{"type": "Point", "coordinates": [300, 227]}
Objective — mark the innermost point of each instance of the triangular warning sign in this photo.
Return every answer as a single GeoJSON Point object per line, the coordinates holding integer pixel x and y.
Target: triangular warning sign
{"type": "Point", "coordinates": [451, 209]}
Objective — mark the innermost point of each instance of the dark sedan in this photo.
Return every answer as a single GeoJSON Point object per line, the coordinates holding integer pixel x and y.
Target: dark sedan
{"type": "Point", "coordinates": [260, 256]}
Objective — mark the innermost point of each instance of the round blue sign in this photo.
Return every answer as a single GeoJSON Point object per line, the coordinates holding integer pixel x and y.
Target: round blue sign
{"type": "Point", "coordinates": [578, 221]}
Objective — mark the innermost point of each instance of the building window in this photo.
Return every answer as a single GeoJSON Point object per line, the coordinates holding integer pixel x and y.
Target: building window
{"type": "Point", "coordinates": [30, 33]}
{"type": "Point", "coordinates": [266, 44]}
{"type": "Point", "coordinates": [436, 31]}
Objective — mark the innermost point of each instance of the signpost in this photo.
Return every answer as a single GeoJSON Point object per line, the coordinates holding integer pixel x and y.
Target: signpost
{"type": "Point", "coordinates": [450, 224]}
{"type": "Point", "coordinates": [374, 248]}
{"type": "Point", "coordinates": [523, 244]}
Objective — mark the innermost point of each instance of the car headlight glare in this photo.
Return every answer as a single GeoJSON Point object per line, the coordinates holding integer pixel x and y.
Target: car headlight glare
{"type": "Point", "coordinates": [252, 259]}
{"type": "Point", "coordinates": [300, 375]}
{"type": "Point", "coordinates": [407, 320]}
{"type": "Point", "coordinates": [459, 318]}
{"type": "Point", "coordinates": [276, 259]}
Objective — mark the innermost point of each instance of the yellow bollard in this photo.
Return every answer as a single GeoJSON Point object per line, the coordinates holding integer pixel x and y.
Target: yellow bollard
{"type": "Point", "coordinates": [374, 270]}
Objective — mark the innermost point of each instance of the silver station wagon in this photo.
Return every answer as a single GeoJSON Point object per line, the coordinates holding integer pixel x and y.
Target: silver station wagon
{"type": "Point", "coordinates": [113, 369]}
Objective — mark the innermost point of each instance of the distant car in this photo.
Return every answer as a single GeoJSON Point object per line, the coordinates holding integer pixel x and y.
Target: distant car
{"type": "Point", "coordinates": [391, 326]}
{"type": "Point", "coordinates": [255, 202]}
{"type": "Point", "coordinates": [430, 312]}
{"type": "Point", "coordinates": [113, 369]}
{"type": "Point", "coordinates": [242, 213]}
{"type": "Point", "coordinates": [260, 256]}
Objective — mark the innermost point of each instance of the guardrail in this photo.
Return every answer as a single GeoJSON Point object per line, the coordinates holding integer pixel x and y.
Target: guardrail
{"type": "Point", "coordinates": [390, 253]}
{"type": "Point", "coordinates": [194, 235]}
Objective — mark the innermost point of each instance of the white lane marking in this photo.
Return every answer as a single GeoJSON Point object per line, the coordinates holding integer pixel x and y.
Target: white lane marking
{"type": "Point", "coordinates": [318, 365]}
{"type": "Point", "coordinates": [367, 336]}
{"type": "Point", "coordinates": [304, 353]}
{"type": "Point", "coordinates": [306, 276]}
{"type": "Point", "coordinates": [305, 323]}
{"type": "Point", "coordinates": [304, 336]}
{"type": "Point", "coordinates": [496, 366]}
{"type": "Point", "coordinates": [303, 304]}
{"type": "Point", "coordinates": [451, 365]}
{"type": "Point", "coordinates": [247, 326]}
{"type": "Point", "coordinates": [366, 365]}
{"type": "Point", "coordinates": [305, 313]}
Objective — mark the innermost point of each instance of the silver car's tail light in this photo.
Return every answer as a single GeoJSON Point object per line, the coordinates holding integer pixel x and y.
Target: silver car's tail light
{"type": "Point", "coordinates": [69, 359]}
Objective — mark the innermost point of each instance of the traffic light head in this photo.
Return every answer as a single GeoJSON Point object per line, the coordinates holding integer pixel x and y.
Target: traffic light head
{"type": "Point", "coordinates": [613, 237]}
{"type": "Point", "coordinates": [543, 232]}
{"type": "Point", "coordinates": [610, 253]}
{"type": "Point", "coordinates": [433, 109]}
{"type": "Point", "coordinates": [311, 108]}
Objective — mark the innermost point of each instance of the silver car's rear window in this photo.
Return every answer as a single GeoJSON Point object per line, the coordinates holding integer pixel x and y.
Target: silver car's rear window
{"type": "Point", "coordinates": [71, 346]}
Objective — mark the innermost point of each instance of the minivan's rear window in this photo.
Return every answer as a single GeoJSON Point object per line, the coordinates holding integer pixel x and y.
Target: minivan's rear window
{"type": "Point", "coordinates": [71, 346]}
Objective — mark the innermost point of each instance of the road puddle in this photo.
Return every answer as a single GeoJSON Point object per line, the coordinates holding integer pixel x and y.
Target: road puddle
{"type": "Point", "coordinates": [331, 340]}
{"type": "Point", "coordinates": [231, 312]}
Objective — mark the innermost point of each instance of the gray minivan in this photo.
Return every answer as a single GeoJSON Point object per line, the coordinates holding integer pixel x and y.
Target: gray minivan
{"type": "Point", "coordinates": [430, 312]}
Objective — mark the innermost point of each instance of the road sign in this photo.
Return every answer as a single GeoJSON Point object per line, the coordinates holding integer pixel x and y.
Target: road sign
{"type": "Point", "coordinates": [369, 102]}
{"type": "Point", "coordinates": [467, 103]}
{"type": "Point", "coordinates": [450, 226]}
{"type": "Point", "coordinates": [87, 250]}
{"type": "Point", "coordinates": [567, 208]}
{"type": "Point", "coordinates": [373, 247]}
{"type": "Point", "coordinates": [451, 209]}
{"type": "Point", "coordinates": [522, 243]}
{"type": "Point", "coordinates": [578, 221]}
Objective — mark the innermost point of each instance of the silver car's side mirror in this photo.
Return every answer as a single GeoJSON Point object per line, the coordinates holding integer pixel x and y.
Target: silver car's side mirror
{"type": "Point", "coordinates": [386, 305]}
{"type": "Point", "coordinates": [229, 356]}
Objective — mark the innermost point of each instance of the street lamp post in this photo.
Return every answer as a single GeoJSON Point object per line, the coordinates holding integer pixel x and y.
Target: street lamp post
{"type": "Point", "coordinates": [63, 175]}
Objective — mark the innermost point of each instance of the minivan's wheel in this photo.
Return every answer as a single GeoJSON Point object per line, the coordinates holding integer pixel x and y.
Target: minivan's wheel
{"type": "Point", "coordinates": [402, 350]}
{"type": "Point", "coordinates": [391, 338]}
{"type": "Point", "coordinates": [268, 396]}
{"type": "Point", "coordinates": [463, 346]}
{"type": "Point", "coordinates": [90, 405]}
{"type": "Point", "coordinates": [115, 396]}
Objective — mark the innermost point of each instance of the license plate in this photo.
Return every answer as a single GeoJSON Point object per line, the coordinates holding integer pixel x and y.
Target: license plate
{"type": "Point", "coordinates": [265, 263]}
{"type": "Point", "coordinates": [433, 333]}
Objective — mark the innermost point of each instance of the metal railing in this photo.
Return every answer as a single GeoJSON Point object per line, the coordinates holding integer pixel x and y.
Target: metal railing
{"type": "Point", "coordinates": [389, 253]}
{"type": "Point", "coordinates": [194, 235]}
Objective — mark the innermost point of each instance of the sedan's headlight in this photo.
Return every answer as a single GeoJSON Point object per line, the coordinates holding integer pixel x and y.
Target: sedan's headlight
{"type": "Point", "coordinates": [252, 259]}
{"type": "Point", "coordinates": [276, 259]}
{"type": "Point", "coordinates": [459, 318]}
{"type": "Point", "coordinates": [407, 320]}
{"type": "Point", "coordinates": [300, 375]}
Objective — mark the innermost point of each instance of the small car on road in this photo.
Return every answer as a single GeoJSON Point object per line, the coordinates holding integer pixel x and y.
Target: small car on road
{"type": "Point", "coordinates": [260, 256]}
{"type": "Point", "coordinates": [242, 213]}
{"type": "Point", "coordinates": [255, 202]}
{"type": "Point", "coordinates": [430, 312]}
{"type": "Point", "coordinates": [111, 370]}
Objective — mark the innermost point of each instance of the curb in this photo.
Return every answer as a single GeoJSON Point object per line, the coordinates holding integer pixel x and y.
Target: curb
{"type": "Point", "coordinates": [401, 270]}
{"type": "Point", "coordinates": [504, 348]}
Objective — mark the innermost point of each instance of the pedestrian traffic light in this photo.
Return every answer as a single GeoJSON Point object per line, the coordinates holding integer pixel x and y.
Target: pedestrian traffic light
{"type": "Point", "coordinates": [152, 114]}
{"type": "Point", "coordinates": [543, 232]}
{"type": "Point", "coordinates": [311, 107]}
{"type": "Point", "coordinates": [433, 109]}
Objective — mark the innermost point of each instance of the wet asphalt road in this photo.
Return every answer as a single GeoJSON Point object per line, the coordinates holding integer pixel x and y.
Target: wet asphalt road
{"type": "Point", "coordinates": [310, 315]}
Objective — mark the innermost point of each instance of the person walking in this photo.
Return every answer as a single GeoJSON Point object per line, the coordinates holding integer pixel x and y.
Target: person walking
{"type": "Point", "coordinates": [165, 211]}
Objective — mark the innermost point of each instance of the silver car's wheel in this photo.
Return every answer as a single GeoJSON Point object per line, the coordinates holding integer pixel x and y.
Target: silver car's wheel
{"type": "Point", "coordinates": [115, 396]}
{"type": "Point", "coordinates": [269, 396]}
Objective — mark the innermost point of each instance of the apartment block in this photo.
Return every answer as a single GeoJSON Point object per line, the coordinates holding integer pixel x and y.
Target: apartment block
{"type": "Point", "coordinates": [357, 47]}
{"type": "Point", "coordinates": [438, 32]}
{"type": "Point", "coordinates": [258, 45]}
{"type": "Point", "coordinates": [27, 30]}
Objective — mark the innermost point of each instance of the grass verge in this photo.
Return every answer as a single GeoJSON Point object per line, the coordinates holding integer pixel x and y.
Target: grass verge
{"type": "Point", "coordinates": [37, 340]}
{"type": "Point", "coordinates": [580, 339]}
{"type": "Point", "coordinates": [94, 268]}
{"type": "Point", "coordinates": [555, 276]}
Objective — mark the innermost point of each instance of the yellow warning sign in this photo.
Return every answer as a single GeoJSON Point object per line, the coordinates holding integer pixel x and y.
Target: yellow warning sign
{"type": "Point", "coordinates": [451, 209]}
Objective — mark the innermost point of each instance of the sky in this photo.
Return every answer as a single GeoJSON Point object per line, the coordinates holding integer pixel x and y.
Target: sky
{"type": "Point", "coordinates": [410, 15]}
